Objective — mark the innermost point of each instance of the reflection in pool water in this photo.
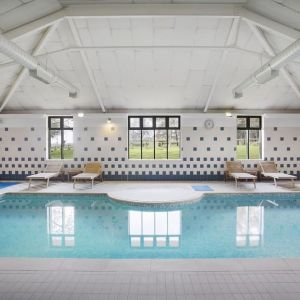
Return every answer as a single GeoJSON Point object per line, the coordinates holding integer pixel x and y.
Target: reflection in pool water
{"type": "Point", "coordinates": [94, 226]}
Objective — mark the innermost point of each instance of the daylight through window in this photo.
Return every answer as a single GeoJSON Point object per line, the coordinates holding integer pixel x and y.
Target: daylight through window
{"type": "Point", "coordinates": [248, 137]}
{"type": "Point", "coordinates": [60, 137]}
{"type": "Point", "coordinates": [154, 137]}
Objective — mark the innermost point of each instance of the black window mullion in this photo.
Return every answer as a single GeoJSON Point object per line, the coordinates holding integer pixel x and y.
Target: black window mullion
{"type": "Point", "coordinates": [141, 143]}
{"type": "Point", "coordinates": [61, 137]}
{"type": "Point", "coordinates": [248, 144]}
{"type": "Point", "coordinates": [167, 143]}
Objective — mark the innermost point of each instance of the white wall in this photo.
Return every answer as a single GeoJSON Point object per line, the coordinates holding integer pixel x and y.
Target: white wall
{"type": "Point", "coordinates": [204, 151]}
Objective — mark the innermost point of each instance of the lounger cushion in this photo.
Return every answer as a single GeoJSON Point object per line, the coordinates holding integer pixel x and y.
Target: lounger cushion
{"type": "Point", "coordinates": [86, 176]}
{"type": "Point", "coordinates": [42, 175]}
{"type": "Point", "coordinates": [279, 175]}
{"type": "Point", "coordinates": [243, 176]}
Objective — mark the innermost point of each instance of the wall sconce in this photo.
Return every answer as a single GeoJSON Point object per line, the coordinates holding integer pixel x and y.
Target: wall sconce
{"type": "Point", "coordinates": [228, 114]}
{"type": "Point", "coordinates": [80, 115]}
{"type": "Point", "coordinates": [108, 120]}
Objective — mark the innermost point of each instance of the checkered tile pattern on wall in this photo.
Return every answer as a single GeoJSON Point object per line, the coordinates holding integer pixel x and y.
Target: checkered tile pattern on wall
{"type": "Point", "coordinates": [204, 152]}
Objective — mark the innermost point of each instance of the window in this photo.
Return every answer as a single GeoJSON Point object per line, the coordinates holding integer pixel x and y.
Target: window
{"type": "Point", "coordinates": [60, 137]}
{"type": "Point", "coordinates": [248, 137]}
{"type": "Point", "coordinates": [154, 137]}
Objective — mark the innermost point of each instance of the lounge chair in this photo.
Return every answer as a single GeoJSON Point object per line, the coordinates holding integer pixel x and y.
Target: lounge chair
{"type": "Point", "coordinates": [52, 170]}
{"type": "Point", "coordinates": [235, 169]}
{"type": "Point", "coordinates": [91, 172]}
{"type": "Point", "coordinates": [269, 169]}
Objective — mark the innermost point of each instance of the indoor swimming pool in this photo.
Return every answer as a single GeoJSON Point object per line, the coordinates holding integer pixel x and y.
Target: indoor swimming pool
{"type": "Point", "coordinates": [95, 226]}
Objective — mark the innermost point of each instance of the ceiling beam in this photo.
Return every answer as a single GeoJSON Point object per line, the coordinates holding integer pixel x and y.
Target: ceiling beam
{"type": "Point", "coordinates": [233, 31]}
{"type": "Point", "coordinates": [270, 50]}
{"type": "Point", "coordinates": [34, 26]}
{"type": "Point", "coordinates": [150, 10]}
{"type": "Point", "coordinates": [99, 48]}
{"type": "Point", "coordinates": [86, 63]}
{"type": "Point", "coordinates": [270, 25]}
{"type": "Point", "coordinates": [24, 71]}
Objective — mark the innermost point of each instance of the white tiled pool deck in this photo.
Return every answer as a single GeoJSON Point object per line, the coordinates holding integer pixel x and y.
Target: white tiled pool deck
{"type": "Point", "coordinates": [25, 278]}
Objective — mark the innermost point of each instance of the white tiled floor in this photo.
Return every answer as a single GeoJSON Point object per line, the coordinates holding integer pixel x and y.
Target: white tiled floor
{"type": "Point", "coordinates": [150, 279]}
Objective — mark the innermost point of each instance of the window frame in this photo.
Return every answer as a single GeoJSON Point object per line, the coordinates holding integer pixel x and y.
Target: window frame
{"type": "Point", "coordinates": [61, 128]}
{"type": "Point", "coordinates": [153, 127]}
{"type": "Point", "coordinates": [249, 127]}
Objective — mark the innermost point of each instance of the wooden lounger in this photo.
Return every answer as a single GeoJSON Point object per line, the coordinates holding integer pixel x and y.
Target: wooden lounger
{"type": "Point", "coordinates": [269, 169]}
{"type": "Point", "coordinates": [91, 172]}
{"type": "Point", "coordinates": [235, 170]}
{"type": "Point", "coordinates": [243, 176]}
{"type": "Point", "coordinates": [52, 170]}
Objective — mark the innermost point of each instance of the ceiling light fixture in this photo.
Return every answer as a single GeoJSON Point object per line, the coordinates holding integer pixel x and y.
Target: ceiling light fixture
{"type": "Point", "coordinates": [80, 115]}
{"type": "Point", "coordinates": [108, 120]}
{"type": "Point", "coordinates": [228, 114]}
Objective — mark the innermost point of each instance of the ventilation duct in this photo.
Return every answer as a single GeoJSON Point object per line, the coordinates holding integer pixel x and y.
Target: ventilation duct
{"type": "Point", "coordinates": [269, 70]}
{"type": "Point", "coordinates": [36, 69]}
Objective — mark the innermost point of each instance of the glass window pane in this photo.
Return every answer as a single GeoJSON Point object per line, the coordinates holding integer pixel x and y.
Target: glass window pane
{"type": "Point", "coordinates": [242, 122]}
{"type": "Point", "coordinates": [55, 122]}
{"type": "Point", "coordinates": [148, 144]}
{"type": "Point", "coordinates": [68, 144]}
{"type": "Point", "coordinates": [174, 144]}
{"type": "Point", "coordinates": [161, 144]}
{"type": "Point", "coordinates": [241, 147]}
{"type": "Point", "coordinates": [160, 122]}
{"type": "Point", "coordinates": [134, 144]}
{"type": "Point", "coordinates": [68, 122]}
{"type": "Point", "coordinates": [134, 122]}
{"type": "Point", "coordinates": [254, 144]}
{"type": "Point", "coordinates": [55, 144]}
{"type": "Point", "coordinates": [147, 122]}
{"type": "Point", "coordinates": [174, 122]}
{"type": "Point", "coordinates": [254, 122]}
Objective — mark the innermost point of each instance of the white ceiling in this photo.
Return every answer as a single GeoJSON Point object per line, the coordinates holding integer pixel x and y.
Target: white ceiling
{"type": "Point", "coordinates": [149, 62]}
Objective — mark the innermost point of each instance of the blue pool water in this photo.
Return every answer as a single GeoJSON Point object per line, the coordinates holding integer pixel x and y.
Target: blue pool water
{"type": "Point", "coordinates": [94, 226]}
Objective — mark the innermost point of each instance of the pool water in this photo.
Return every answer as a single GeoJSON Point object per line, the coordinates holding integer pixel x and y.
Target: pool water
{"type": "Point", "coordinates": [94, 226]}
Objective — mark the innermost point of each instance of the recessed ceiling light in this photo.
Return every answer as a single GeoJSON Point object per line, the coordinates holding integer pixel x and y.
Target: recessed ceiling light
{"type": "Point", "coordinates": [80, 115]}
{"type": "Point", "coordinates": [228, 114]}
